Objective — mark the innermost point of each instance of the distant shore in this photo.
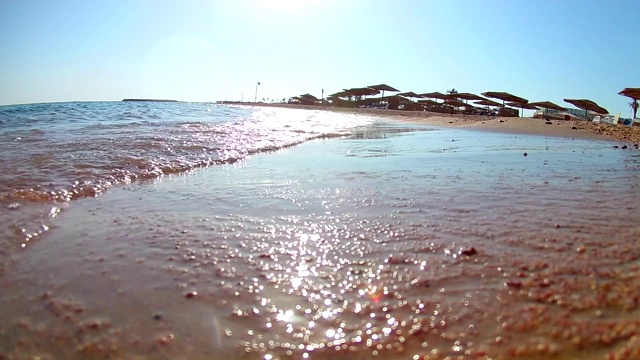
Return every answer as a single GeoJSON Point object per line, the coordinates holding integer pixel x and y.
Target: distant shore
{"type": "Point", "coordinates": [150, 100]}
{"type": "Point", "coordinates": [514, 125]}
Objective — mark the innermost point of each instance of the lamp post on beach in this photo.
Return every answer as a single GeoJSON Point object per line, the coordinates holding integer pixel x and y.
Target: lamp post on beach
{"type": "Point", "coordinates": [255, 98]}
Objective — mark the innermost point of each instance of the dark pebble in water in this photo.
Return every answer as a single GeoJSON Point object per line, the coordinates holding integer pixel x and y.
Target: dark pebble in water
{"type": "Point", "coordinates": [514, 284]}
{"type": "Point", "coordinates": [525, 154]}
{"type": "Point", "coordinates": [191, 294]}
{"type": "Point", "coordinates": [157, 316]}
{"type": "Point", "coordinates": [624, 147]}
{"type": "Point", "coordinates": [469, 252]}
{"type": "Point", "coordinates": [574, 128]}
{"type": "Point", "coordinates": [615, 146]}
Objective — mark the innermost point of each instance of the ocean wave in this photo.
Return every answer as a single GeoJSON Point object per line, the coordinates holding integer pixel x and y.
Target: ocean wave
{"type": "Point", "coordinates": [76, 157]}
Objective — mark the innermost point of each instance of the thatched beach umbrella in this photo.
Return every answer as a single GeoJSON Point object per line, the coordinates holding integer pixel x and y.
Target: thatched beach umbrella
{"type": "Point", "coordinates": [466, 96]}
{"type": "Point", "coordinates": [435, 95]}
{"type": "Point", "coordinates": [522, 106]}
{"type": "Point", "coordinates": [428, 102]}
{"type": "Point", "coordinates": [362, 92]}
{"type": "Point", "coordinates": [487, 102]}
{"type": "Point", "coordinates": [634, 94]}
{"type": "Point", "coordinates": [587, 105]}
{"type": "Point", "coordinates": [504, 96]}
{"type": "Point", "coordinates": [340, 94]}
{"type": "Point", "coordinates": [410, 95]}
{"type": "Point", "coordinates": [383, 88]}
{"type": "Point", "coordinates": [307, 99]}
{"type": "Point", "coordinates": [547, 105]}
{"type": "Point", "coordinates": [455, 103]}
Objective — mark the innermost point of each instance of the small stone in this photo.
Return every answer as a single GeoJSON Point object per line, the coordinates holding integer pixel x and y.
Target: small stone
{"type": "Point", "coordinates": [469, 252]}
{"type": "Point", "coordinates": [549, 123]}
{"type": "Point", "coordinates": [624, 147]}
{"type": "Point", "coordinates": [191, 294]}
{"type": "Point", "coordinates": [514, 284]}
{"type": "Point", "coordinates": [525, 154]}
{"type": "Point", "coordinates": [163, 340]}
{"type": "Point", "coordinates": [581, 249]}
{"type": "Point", "coordinates": [157, 316]}
{"type": "Point", "coordinates": [13, 206]}
{"type": "Point", "coordinates": [574, 128]}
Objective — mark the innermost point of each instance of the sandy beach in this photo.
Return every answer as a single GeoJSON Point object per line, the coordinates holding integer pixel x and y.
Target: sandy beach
{"type": "Point", "coordinates": [515, 125]}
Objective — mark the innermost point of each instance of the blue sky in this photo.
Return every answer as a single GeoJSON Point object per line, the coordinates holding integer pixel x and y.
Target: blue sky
{"type": "Point", "coordinates": [218, 49]}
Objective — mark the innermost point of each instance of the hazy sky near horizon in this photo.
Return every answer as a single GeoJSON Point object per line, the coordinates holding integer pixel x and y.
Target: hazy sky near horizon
{"type": "Point", "coordinates": [209, 50]}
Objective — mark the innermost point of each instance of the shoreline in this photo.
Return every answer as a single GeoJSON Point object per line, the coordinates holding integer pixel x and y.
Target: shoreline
{"type": "Point", "coordinates": [512, 125]}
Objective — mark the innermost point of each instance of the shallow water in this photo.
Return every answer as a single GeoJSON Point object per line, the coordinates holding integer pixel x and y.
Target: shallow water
{"type": "Point", "coordinates": [52, 154]}
{"type": "Point", "coordinates": [399, 241]}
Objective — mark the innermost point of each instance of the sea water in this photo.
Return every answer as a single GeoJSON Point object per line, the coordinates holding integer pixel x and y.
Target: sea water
{"type": "Point", "coordinates": [51, 154]}
{"type": "Point", "coordinates": [176, 230]}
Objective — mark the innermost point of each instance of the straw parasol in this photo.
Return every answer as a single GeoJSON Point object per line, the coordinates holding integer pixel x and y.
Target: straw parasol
{"type": "Point", "coordinates": [410, 94]}
{"type": "Point", "coordinates": [435, 95]}
{"type": "Point", "coordinates": [522, 106]}
{"type": "Point", "coordinates": [428, 102]}
{"type": "Point", "coordinates": [487, 102]}
{"type": "Point", "coordinates": [634, 94]}
{"type": "Point", "coordinates": [587, 105]}
{"type": "Point", "coordinates": [340, 94]}
{"type": "Point", "coordinates": [383, 88]}
{"type": "Point", "coordinates": [308, 97]}
{"type": "Point", "coordinates": [454, 103]}
{"type": "Point", "coordinates": [466, 96]}
{"type": "Point", "coordinates": [362, 91]}
{"type": "Point", "coordinates": [504, 96]}
{"type": "Point", "coordinates": [547, 105]}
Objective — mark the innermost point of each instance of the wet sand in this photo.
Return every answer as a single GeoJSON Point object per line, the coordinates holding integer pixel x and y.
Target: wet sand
{"type": "Point", "coordinates": [629, 135]}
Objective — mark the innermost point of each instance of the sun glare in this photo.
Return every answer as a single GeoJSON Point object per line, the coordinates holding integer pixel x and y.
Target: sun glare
{"type": "Point", "coordinates": [285, 4]}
